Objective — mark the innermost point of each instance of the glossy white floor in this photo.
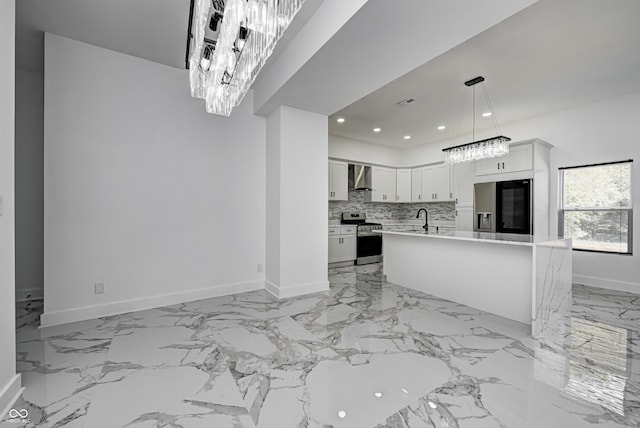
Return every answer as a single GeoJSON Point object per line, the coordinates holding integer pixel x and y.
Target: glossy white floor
{"type": "Point", "coordinates": [366, 354]}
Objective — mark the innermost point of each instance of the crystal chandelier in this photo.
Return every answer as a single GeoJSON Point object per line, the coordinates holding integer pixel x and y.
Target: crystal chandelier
{"type": "Point", "coordinates": [221, 71]}
{"type": "Point", "coordinates": [482, 149]}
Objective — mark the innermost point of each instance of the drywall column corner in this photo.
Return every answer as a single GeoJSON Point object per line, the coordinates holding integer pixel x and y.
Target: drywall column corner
{"type": "Point", "coordinates": [10, 386]}
{"type": "Point", "coordinates": [297, 206]}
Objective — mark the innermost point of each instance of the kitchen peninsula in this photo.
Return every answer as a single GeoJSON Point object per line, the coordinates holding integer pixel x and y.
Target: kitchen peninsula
{"type": "Point", "coordinates": [521, 277]}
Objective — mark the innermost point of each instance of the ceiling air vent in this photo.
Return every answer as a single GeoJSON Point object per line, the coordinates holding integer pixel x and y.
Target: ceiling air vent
{"type": "Point", "coordinates": [406, 102]}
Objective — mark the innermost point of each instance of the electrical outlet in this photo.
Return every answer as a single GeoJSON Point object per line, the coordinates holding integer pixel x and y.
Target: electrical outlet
{"type": "Point", "coordinates": [98, 288]}
{"type": "Point", "coordinates": [260, 267]}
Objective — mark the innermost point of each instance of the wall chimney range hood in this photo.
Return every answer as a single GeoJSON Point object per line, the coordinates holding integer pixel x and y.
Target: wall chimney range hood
{"type": "Point", "coordinates": [359, 177]}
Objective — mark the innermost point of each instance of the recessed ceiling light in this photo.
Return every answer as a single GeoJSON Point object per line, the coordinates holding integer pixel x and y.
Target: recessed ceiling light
{"type": "Point", "coordinates": [340, 120]}
{"type": "Point", "coordinates": [486, 114]}
{"type": "Point", "coordinates": [405, 391]}
{"type": "Point", "coordinates": [377, 129]}
{"type": "Point", "coordinates": [432, 404]}
{"type": "Point", "coordinates": [377, 394]}
{"type": "Point", "coordinates": [342, 414]}
{"type": "Point", "coordinates": [441, 128]}
{"type": "Point", "coordinates": [407, 137]}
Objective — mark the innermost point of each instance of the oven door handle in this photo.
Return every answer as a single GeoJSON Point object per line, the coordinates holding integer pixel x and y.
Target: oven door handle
{"type": "Point", "coordinates": [369, 234]}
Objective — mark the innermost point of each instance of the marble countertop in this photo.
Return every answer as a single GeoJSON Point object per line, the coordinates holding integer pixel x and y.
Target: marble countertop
{"type": "Point", "coordinates": [490, 237]}
{"type": "Point", "coordinates": [411, 224]}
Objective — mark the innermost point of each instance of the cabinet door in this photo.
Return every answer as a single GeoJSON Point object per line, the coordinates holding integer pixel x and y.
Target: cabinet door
{"type": "Point", "coordinates": [403, 185]}
{"type": "Point", "coordinates": [463, 179]}
{"type": "Point", "coordinates": [334, 249]}
{"type": "Point", "coordinates": [416, 185]}
{"type": "Point", "coordinates": [340, 181]}
{"type": "Point", "coordinates": [429, 184]}
{"type": "Point", "coordinates": [330, 174]}
{"type": "Point", "coordinates": [520, 158]}
{"type": "Point", "coordinates": [348, 248]}
{"type": "Point", "coordinates": [389, 185]}
{"type": "Point", "coordinates": [443, 181]}
{"type": "Point", "coordinates": [489, 166]}
{"type": "Point", "coordinates": [377, 184]}
{"type": "Point", "coordinates": [464, 218]}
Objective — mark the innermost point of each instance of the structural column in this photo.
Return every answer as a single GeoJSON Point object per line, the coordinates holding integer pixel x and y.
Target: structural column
{"type": "Point", "coordinates": [297, 205]}
{"type": "Point", "coordinates": [9, 380]}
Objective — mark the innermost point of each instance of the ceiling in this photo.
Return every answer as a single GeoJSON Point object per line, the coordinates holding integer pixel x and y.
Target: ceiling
{"type": "Point", "coordinates": [155, 30]}
{"type": "Point", "coordinates": [554, 55]}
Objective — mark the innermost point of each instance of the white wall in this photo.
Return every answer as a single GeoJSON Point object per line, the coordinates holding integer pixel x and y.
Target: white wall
{"type": "Point", "coordinates": [29, 184]}
{"type": "Point", "coordinates": [144, 190]}
{"type": "Point", "coordinates": [9, 381]}
{"type": "Point", "coordinates": [603, 131]}
{"type": "Point", "coordinates": [296, 215]}
{"type": "Point", "coordinates": [599, 132]}
{"type": "Point", "coordinates": [361, 151]}
{"type": "Point", "coordinates": [272, 268]}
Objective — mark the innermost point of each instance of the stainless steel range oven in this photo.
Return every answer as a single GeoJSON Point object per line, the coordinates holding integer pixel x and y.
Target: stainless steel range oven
{"type": "Point", "coordinates": [368, 243]}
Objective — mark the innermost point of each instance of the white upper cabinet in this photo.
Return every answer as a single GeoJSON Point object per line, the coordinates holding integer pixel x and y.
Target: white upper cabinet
{"type": "Point", "coordinates": [431, 184]}
{"type": "Point", "coordinates": [403, 185]}
{"type": "Point", "coordinates": [463, 179]}
{"type": "Point", "coordinates": [444, 191]}
{"type": "Point", "coordinates": [338, 181]}
{"type": "Point", "coordinates": [416, 185]}
{"type": "Point", "coordinates": [383, 184]}
{"type": "Point", "coordinates": [520, 158]}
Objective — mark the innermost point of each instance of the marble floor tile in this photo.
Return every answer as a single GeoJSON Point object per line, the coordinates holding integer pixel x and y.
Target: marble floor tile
{"type": "Point", "coordinates": [364, 354]}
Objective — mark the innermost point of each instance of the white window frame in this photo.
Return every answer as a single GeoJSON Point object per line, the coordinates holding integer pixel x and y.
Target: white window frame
{"type": "Point", "coordinates": [629, 211]}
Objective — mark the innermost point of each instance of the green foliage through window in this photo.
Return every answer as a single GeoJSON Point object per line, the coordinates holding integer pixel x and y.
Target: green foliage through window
{"type": "Point", "coordinates": [596, 209]}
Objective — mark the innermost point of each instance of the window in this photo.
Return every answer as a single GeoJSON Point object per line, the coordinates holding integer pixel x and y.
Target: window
{"type": "Point", "coordinates": [595, 207]}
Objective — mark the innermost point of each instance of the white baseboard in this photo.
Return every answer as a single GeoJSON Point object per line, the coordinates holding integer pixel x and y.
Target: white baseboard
{"type": "Point", "coordinates": [9, 394]}
{"type": "Point", "coordinates": [296, 290]}
{"type": "Point", "coordinates": [29, 294]}
{"type": "Point", "coordinates": [48, 319]}
{"type": "Point", "coordinates": [609, 284]}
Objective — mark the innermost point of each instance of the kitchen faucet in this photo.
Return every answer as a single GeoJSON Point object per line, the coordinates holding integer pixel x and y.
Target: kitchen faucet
{"type": "Point", "coordinates": [426, 218]}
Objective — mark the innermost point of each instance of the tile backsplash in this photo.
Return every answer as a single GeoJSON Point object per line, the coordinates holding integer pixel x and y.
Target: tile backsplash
{"type": "Point", "coordinates": [384, 212]}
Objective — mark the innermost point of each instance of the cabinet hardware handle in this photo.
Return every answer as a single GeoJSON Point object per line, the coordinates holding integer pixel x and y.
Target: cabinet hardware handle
{"type": "Point", "coordinates": [498, 165]}
{"type": "Point", "coordinates": [502, 165]}
{"type": "Point", "coordinates": [419, 197]}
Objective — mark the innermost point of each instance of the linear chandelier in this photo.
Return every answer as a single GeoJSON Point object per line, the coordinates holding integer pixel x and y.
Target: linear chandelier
{"type": "Point", "coordinates": [482, 149]}
{"type": "Point", "coordinates": [222, 71]}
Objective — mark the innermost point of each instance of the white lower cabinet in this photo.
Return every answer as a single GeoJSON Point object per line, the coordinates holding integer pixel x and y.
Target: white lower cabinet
{"type": "Point", "coordinates": [342, 244]}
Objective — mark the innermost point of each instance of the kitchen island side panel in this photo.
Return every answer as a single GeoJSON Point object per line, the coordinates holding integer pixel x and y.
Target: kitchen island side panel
{"type": "Point", "coordinates": [491, 277]}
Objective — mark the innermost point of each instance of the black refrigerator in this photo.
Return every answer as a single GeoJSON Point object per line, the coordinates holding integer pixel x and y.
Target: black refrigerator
{"type": "Point", "coordinates": [504, 207]}
{"type": "Point", "coordinates": [513, 207]}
